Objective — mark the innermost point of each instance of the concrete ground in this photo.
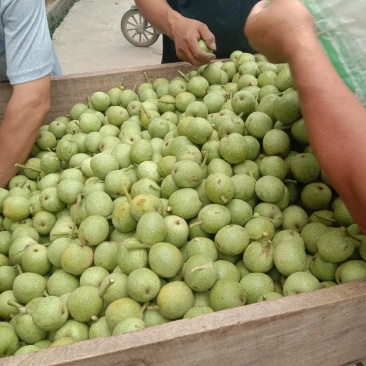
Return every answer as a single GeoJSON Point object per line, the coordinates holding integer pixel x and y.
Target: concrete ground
{"type": "Point", "coordinates": [89, 39]}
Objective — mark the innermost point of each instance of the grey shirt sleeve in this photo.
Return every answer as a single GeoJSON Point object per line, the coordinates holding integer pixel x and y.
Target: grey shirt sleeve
{"type": "Point", "coordinates": [27, 46]}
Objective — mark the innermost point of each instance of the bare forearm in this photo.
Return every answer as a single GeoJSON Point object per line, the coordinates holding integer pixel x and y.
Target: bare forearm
{"type": "Point", "coordinates": [23, 117]}
{"type": "Point", "coordinates": [336, 124]}
{"type": "Point", "coordinates": [159, 14]}
{"type": "Point", "coordinates": [335, 120]}
{"type": "Point", "coordinates": [184, 32]}
{"type": "Point", "coordinates": [17, 135]}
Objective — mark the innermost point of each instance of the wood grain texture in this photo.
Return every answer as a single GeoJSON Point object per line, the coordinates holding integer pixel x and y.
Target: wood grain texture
{"type": "Point", "coordinates": [324, 327]}
{"type": "Point", "coordinates": [68, 90]}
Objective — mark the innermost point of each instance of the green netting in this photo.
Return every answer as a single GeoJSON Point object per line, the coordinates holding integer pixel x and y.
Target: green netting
{"type": "Point", "coordinates": [341, 30]}
{"type": "Point", "coordinates": [342, 33]}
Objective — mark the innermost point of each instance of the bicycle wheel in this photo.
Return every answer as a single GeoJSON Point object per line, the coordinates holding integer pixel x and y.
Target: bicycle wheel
{"type": "Point", "coordinates": [137, 30]}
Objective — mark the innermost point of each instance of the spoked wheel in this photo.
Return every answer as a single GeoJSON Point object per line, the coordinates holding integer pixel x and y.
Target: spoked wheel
{"type": "Point", "coordinates": [137, 30]}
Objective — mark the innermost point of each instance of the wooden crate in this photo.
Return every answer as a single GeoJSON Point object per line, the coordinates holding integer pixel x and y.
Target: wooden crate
{"type": "Point", "coordinates": [324, 327]}
{"type": "Point", "coordinates": [71, 89]}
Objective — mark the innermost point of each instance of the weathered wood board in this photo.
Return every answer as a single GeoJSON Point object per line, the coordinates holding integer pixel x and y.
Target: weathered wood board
{"type": "Point", "coordinates": [324, 327]}
{"type": "Point", "coordinates": [71, 89]}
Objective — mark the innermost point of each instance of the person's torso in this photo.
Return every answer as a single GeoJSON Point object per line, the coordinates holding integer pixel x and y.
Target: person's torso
{"type": "Point", "coordinates": [224, 18]}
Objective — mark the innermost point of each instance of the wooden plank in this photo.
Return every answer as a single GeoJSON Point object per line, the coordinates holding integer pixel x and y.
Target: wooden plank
{"type": "Point", "coordinates": [325, 327]}
{"type": "Point", "coordinates": [68, 90]}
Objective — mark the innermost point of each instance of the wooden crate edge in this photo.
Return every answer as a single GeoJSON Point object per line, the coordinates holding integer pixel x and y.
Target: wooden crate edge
{"type": "Point", "coordinates": [68, 90]}
{"type": "Point", "coordinates": [317, 328]}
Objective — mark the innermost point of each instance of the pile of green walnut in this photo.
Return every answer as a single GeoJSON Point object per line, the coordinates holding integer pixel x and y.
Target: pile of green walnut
{"type": "Point", "coordinates": [171, 200]}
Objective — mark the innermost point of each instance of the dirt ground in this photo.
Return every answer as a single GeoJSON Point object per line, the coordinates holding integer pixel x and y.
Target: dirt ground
{"type": "Point", "coordinates": [49, 3]}
{"type": "Point", "coordinates": [90, 39]}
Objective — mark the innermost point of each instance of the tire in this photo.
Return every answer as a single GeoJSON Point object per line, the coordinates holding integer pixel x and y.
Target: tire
{"type": "Point", "coordinates": [136, 30]}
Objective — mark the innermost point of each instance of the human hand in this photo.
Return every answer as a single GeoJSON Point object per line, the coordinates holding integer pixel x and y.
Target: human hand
{"type": "Point", "coordinates": [185, 34]}
{"type": "Point", "coordinates": [277, 30]}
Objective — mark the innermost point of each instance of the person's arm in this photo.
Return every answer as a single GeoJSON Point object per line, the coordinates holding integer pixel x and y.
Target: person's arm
{"type": "Point", "coordinates": [24, 114]}
{"type": "Point", "coordinates": [335, 119]}
{"type": "Point", "coordinates": [183, 31]}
